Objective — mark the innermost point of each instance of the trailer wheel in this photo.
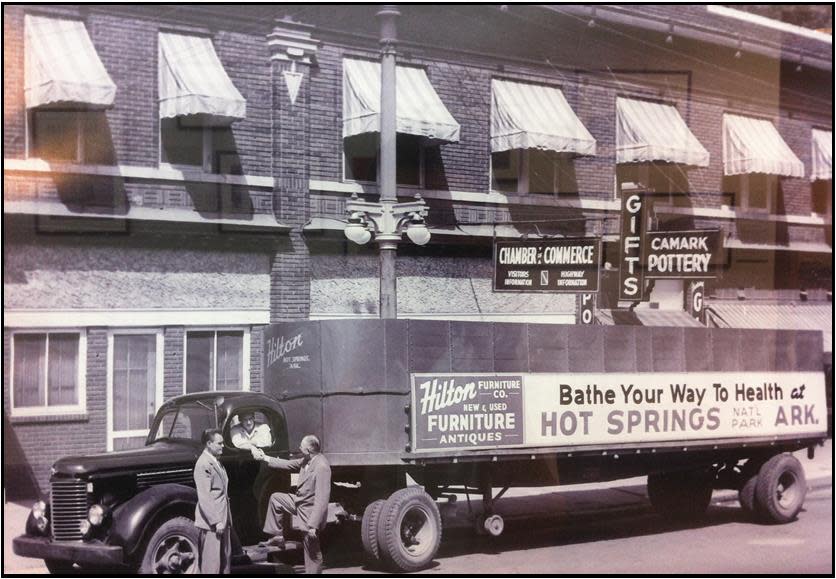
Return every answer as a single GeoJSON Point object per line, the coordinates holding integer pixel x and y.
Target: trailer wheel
{"type": "Point", "coordinates": [781, 489]}
{"type": "Point", "coordinates": [369, 531]}
{"type": "Point", "coordinates": [746, 496]}
{"type": "Point", "coordinates": [680, 495]}
{"type": "Point", "coordinates": [410, 530]}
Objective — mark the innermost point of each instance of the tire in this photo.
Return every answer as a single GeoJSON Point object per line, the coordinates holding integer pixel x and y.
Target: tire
{"type": "Point", "coordinates": [410, 530]}
{"type": "Point", "coordinates": [680, 495]}
{"type": "Point", "coordinates": [746, 496]}
{"type": "Point", "coordinates": [172, 549]}
{"type": "Point", "coordinates": [59, 566]}
{"type": "Point", "coordinates": [369, 532]}
{"type": "Point", "coordinates": [781, 489]}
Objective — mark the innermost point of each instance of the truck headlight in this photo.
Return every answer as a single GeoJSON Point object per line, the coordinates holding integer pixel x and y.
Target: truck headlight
{"type": "Point", "coordinates": [84, 527]}
{"type": "Point", "coordinates": [96, 515]}
{"type": "Point", "coordinates": [39, 510]}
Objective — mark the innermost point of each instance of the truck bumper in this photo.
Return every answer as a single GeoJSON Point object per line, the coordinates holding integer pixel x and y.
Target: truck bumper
{"type": "Point", "coordinates": [76, 551]}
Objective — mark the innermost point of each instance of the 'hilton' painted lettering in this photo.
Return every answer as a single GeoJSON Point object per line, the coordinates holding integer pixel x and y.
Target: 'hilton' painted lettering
{"type": "Point", "coordinates": [437, 395]}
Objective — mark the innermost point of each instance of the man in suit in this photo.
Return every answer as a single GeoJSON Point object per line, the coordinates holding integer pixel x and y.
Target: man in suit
{"type": "Point", "coordinates": [313, 491]}
{"type": "Point", "coordinates": [212, 516]}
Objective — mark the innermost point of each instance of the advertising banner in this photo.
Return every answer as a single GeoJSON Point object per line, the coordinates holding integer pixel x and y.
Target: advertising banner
{"type": "Point", "coordinates": [554, 265]}
{"type": "Point", "coordinates": [484, 411]}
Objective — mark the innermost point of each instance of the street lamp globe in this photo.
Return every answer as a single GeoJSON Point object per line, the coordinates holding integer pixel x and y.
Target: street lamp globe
{"type": "Point", "coordinates": [418, 233]}
{"type": "Point", "coordinates": [356, 229]}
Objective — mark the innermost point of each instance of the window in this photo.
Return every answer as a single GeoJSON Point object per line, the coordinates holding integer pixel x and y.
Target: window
{"type": "Point", "coordinates": [661, 178]}
{"type": "Point", "coordinates": [753, 191]}
{"type": "Point", "coordinates": [135, 387]}
{"type": "Point", "coordinates": [47, 373]}
{"type": "Point", "coordinates": [822, 191]}
{"type": "Point", "coordinates": [532, 171]}
{"type": "Point", "coordinates": [362, 163]}
{"type": "Point", "coordinates": [186, 143]}
{"type": "Point", "coordinates": [215, 360]}
{"type": "Point", "coordinates": [70, 136]}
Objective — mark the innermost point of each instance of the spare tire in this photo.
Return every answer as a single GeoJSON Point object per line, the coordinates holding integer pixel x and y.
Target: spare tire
{"type": "Point", "coordinates": [680, 495]}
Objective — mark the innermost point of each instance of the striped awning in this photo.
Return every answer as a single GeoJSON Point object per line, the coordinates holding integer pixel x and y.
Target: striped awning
{"type": "Point", "coordinates": [822, 155]}
{"type": "Point", "coordinates": [193, 80]}
{"type": "Point", "coordinates": [529, 116]}
{"type": "Point", "coordinates": [419, 109]}
{"type": "Point", "coordinates": [61, 65]}
{"type": "Point", "coordinates": [646, 317]}
{"type": "Point", "coordinates": [648, 132]}
{"type": "Point", "coordinates": [775, 317]}
{"type": "Point", "coordinates": [755, 146]}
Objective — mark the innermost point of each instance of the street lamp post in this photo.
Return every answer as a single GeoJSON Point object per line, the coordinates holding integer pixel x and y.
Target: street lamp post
{"type": "Point", "coordinates": [387, 220]}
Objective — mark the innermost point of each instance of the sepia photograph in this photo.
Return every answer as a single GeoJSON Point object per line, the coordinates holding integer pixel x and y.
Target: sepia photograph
{"type": "Point", "coordinates": [483, 289]}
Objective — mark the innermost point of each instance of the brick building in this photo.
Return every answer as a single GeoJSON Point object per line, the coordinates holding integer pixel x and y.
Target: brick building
{"type": "Point", "coordinates": [164, 197]}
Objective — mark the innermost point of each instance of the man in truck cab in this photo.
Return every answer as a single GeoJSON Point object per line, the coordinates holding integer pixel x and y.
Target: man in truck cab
{"type": "Point", "coordinates": [247, 434]}
{"type": "Point", "coordinates": [313, 491]}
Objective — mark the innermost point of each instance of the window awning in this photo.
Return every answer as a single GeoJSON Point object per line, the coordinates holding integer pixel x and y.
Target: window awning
{"type": "Point", "coordinates": [193, 80]}
{"type": "Point", "coordinates": [61, 65]}
{"type": "Point", "coordinates": [822, 155]}
{"type": "Point", "coordinates": [648, 132]}
{"type": "Point", "coordinates": [755, 146]}
{"type": "Point", "coordinates": [775, 317]}
{"type": "Point", "coordinates": [643, 317]}
{"type": "Point", "coordinates": [528, 116]}
{"type": "Point", "coordinates": [419, 109]}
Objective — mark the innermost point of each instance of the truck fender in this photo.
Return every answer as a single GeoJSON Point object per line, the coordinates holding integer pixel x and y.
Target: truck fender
{"type": "Point", "coordinates": [131, 519]}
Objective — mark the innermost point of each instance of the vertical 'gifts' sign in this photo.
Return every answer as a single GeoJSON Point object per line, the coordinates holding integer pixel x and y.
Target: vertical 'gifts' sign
{"type": "Point", "coordinates": [631, 274]}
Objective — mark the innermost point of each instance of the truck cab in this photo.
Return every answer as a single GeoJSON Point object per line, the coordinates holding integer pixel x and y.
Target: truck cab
{"type": "Point", "coordinates": [134, 509]}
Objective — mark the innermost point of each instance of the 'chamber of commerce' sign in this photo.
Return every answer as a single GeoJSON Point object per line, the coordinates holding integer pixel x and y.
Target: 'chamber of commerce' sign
{"type": "Point", "coordinates": [555, 265]}
{"type": "Point", "coordinates": [682, 254]}
{"type": "Point", "coordinates": [484, 411]}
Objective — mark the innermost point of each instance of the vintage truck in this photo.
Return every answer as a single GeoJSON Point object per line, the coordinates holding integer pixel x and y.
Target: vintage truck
{"type": "Point", "coordinates": [412, 412]}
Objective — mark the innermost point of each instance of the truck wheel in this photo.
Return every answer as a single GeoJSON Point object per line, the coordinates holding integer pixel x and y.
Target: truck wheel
{"type": "Point", "coordinates": [172, 549]}
{"type": "Point", "coordinates": [369, 531]}
{"type": "Point", "coordinates": [781, 489]}
{"type": "Point", "coordinates": [680, 495]}
{"type": "Point", "coordinates": [410, 530]}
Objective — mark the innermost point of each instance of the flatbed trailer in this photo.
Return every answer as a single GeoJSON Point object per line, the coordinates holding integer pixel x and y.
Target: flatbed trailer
{"type": "Point", "coordinates": [448, 406]}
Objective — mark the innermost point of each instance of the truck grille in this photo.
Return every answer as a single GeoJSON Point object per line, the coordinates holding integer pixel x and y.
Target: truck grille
{"type": "Point", "coordinates": [69, 508]}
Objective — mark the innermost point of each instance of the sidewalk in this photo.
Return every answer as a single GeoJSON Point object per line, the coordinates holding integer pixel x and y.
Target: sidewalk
{"type": "Point", "coordinates": [583, 499]}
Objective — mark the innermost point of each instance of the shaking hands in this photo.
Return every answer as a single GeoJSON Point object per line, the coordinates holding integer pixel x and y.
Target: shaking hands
{"type": "Point", "coordinates": [258, 454]}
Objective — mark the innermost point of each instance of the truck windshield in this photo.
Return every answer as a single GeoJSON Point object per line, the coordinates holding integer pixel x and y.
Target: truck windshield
{"type": "Point", "coordinates": [187, 421]}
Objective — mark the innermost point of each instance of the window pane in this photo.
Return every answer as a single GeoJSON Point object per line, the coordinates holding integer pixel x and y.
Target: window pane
{"type": "Point", "coordinates": [128, 443]}
{"type": "Point", "coordinates": [758, 190]}
{"type": "Point", "coordinates": [29, 360]}
{"type": "Point", "coordinates": [822, 194]}
{"type": "Point", "coordinates": [63, 369]}
{"type": "Point", "coordinates": [505, 171]}
{"type": "Point", "coordinates": [230, 360]}
{"type": "Point", "coordinates": [200, 349]}
{"type": "Point", "coordinates": [54, 135]}
{"type": "Point", "coordinates": [181, 145]}
{"type": "Point", "coordinates": [541, 171]}
{"type": "Point", "coordinates": [361, 157]}
{"type": "Point", "coordinates": [408, 160]}
{"type": "Point", "coordinates": [134, 381]}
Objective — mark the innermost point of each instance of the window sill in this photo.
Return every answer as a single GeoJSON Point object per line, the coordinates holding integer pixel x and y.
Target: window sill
{"type": "Point", "coordinates": [160, 173]}
{"type": "Point", "coordinates": [50, 418]}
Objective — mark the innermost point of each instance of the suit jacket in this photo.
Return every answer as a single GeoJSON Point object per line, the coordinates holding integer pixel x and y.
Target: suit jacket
{"type": "Point", "coordinates": [212, 499]}
{"type": "Point", "coordinates": [313, 488]}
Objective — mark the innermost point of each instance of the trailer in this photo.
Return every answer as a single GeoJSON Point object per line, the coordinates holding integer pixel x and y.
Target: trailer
{"type": "Point", "coordinates": [411, 411]}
